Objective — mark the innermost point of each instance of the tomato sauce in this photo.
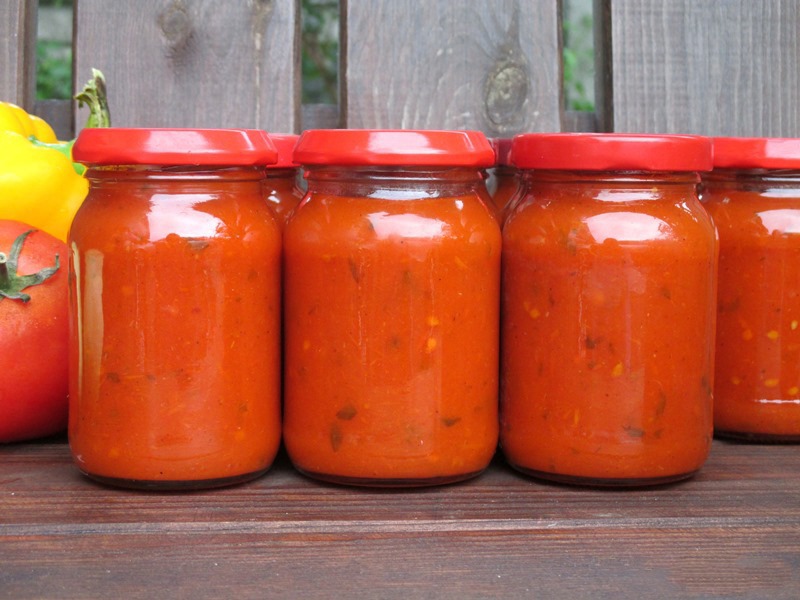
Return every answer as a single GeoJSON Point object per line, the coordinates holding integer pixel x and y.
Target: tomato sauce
{"type": "Point", "coordinates": [608, 313]}
{"type": "Point", "coordinates": [391, 310]}
{"type": "Point", "coordinates": [175, 362]}
{"type": "Point", "coordinates": [753, 196]}
{"type": "Point", "coordinates": [280, 184]}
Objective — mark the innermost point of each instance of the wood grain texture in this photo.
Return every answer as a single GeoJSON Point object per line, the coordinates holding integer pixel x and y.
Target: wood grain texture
{"type": "Point", "coordinates": [18, 52]}
{"type": "Point", "coordinates": [491, 65]}
{"type": "Point", "coordinates": [320, 116]}
{"type": "Point", "coordinates": [712, 68]}
{"type": "Point", "coordinates": [59, 114]}
{"type": "Point", "coordinates": [194, 63]}
{"type": "Point", "coordinates": [732, 531]}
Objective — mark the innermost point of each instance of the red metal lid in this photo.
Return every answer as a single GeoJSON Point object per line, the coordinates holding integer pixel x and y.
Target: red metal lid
{"type": "Point", "coordinates": [393, 147]}
{"type": "Point", "coordinates": [285, 143]}
{"type": "Point", "coordinates": [757, 153]}
{"type": "Point", "coordinates": [502, 151]}
{"type": "Point", "coordinates": [173, 147]}
{"type": "Point", "coordinates": [611, 152]}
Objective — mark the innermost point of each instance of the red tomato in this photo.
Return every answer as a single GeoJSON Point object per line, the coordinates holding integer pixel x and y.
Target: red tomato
{"type": "Point", "coordinates": [33, 333]}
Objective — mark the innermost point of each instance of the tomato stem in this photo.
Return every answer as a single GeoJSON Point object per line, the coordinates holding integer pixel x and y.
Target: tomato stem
{"type": "Point", "coordinates": [12, 284]}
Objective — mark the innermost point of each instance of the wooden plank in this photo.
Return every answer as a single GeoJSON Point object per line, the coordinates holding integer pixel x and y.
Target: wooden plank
{"type": "Point", "coordinates": [320, 116]}
{"type": "Point", "coordinates": [713, 68]}
{"type": "Point", "coordinates": [18, 52]}
{"type": "Point", "coordinates": [491, 65]}
{"type": "Point", "coordinates": [663, 562]}
{"type": "Point", "coordinates": [735, 479]}
{"type": "Point", "coordinates": [194, 63]}
{"type": "Point", "coordinates": [582, 121]}
{"type": "Point", "coordinates": [733, 531]}
{"type": "Point", "coordinates": [59, 114]}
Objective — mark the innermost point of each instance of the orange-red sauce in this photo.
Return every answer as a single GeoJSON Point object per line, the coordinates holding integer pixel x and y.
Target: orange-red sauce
{"type": "Point", "coordinates": [508, 184]}
{"type": "Point", "coordinates": [175, 339]}
{"type": "Point", "coordinates": [608, 321]}
{"type": "Point", "coordinates": [757, 386]}
{"type": "Point", "coordinates": [391, 325]}
{"type": "Point", "coordinates": [282, 192]}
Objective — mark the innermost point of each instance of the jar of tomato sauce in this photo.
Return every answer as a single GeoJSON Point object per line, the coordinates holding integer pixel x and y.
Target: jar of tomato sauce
{"type": "Point", "coordinates": [506, 180]}
{"type": "Point", "coordinates": [175, 309]}
{"type": "Point", "coordinates": [609, 264]}
{"type": "Point", "coordinates": [392, 274]}
{"type": "Point", "coordinates": [280, 184]}
{"type": "Point", "coordinates": [753, 196]}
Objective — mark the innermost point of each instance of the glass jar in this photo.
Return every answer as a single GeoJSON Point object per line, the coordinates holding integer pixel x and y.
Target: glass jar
{"type": "Point", "coordinates": [609, 264]}
{"type": "Point", "coordinates": [175, 309]}
{"type": "Point", "coordinates": [753, 197]}
{"type": "Point", "coordinates": [392, 273]}
{"type": "Point", "coordinates": [281, 182]}
{"type": "Point", "coordinates": [506, 179]}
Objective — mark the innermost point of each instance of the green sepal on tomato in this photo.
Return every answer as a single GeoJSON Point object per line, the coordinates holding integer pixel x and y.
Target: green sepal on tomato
{"type": "Point", "coordinates": [34, 331]}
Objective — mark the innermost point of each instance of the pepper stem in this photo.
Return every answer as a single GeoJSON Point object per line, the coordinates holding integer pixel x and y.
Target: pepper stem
{"type": "Point", "coordinates": [93, 95]}
{"type": "Point", "coordinates": [11, 284]}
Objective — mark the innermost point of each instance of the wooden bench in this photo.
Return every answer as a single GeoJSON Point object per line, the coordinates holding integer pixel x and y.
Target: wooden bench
{"type": "Point", "coordinates": [710, 67]}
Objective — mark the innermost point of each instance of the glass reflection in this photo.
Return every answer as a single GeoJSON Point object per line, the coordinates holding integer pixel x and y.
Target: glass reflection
{"type": "Point", "coordinates": [626, 227]}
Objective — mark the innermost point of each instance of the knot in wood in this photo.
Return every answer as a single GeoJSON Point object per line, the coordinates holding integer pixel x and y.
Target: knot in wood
{"type": "Point", "coordinates": [506, 90]}
{"type": "Point", "coordinates": [176, 25]}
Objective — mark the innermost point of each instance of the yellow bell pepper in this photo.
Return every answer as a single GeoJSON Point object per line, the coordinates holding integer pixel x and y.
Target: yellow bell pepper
{"type": "Point", "coordinates": [39, 185]}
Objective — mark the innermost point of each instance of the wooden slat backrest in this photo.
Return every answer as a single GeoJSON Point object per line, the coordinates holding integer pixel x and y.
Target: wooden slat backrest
{"type": "Point", "coordinates": [491, 65]}
{"type": "Point", "coordinates": [194, 63]}
{"type": "Point", "coordinates": [17, 51]}
{"type": "Point", "coordinates": [727, 67]}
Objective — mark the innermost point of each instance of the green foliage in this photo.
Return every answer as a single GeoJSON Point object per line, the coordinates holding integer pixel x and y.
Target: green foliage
{"type": "Point", "coordinates": [53, 70]}
{"type": "Point", "coordinates": [54, 62]}
{"type": "Point", "coordinates": [320, 31]}
{"type": "Point", "coordinates": [578, 57]}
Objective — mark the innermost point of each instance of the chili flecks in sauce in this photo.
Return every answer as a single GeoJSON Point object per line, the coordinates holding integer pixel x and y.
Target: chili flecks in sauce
{"type": "Point", "coordinates": [175, 268]}
{"type": "Point", "coordinates": [391, 309]}
{"type": "Point", "coordinates": [608, 310]}
{"type": "Point", "coordinates": [753, 196]}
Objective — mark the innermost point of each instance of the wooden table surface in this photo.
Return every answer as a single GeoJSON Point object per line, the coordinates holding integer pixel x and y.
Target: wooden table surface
{"type": "Point", "coordinates": [732, 531]}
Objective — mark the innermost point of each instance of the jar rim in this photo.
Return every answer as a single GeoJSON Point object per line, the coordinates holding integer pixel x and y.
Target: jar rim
{"type": "Point", "coordinates": [611, 152]}
{"type": "Point", "coordinates": [393, 147]}
{"type": "Point", "coordinates": [173, 147]}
